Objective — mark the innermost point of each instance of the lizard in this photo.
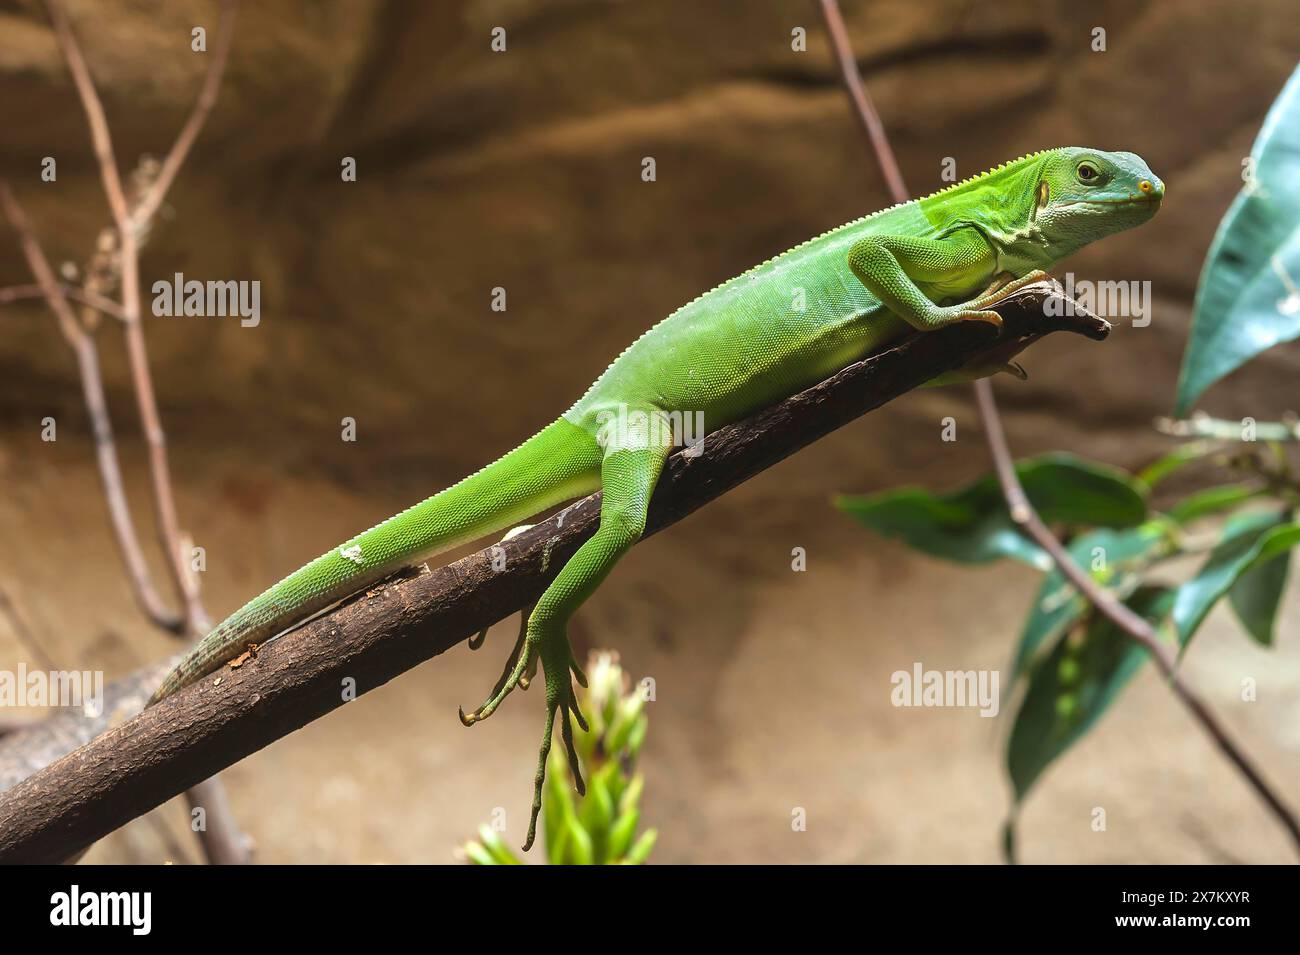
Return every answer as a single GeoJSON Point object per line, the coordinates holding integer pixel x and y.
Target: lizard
{"type": "Point", "coordinates": [918, 265]}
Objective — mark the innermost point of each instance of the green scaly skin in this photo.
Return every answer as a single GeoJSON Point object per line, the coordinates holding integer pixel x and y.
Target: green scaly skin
{"type": "Point", "coordinates": [746, 344]}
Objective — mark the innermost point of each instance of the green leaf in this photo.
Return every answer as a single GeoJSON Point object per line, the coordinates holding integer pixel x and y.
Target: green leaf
{"type": "Point", "coordinates": [596, 811]}
{"type": "Point", "coordinates": [1175, 460]}
{"type": "Point", "coordinates": [579, 843]}
{"type": "Point", "coordinates": [1072, 687]}
{"type": "Point", "coordinates": [556, 807]}
{"type": "Point", "coordinates": [972, 525]}
{"type": "Point", "coordinates": [1255, 597]}
{"type": "Point", "coordinates": [641, 851]}
{"type": "Point", "coordinates": [1058, 606]}
{"type": "Point", "coordinates": [636, 736]}
{"type": "Point", "coordinates": [632, 795]}
{"type": "Point", "coordinates": [1249, 541]}
{"type": "Point", "coordinates": [1211, 501]}
{"type": "Point", "coordinates": [621, 833]}
{"type": "Point", "coordinates": [496, 847]}
{"type": "Point", "coordinates": [1248, 299]}
{"type": "Point", "coordinates": [478, 855]}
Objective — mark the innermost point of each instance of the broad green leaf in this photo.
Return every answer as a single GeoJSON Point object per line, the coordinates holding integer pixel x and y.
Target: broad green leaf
{"type": "Point", "coordinates": [1073, 685]}
{"type": "Point", "coordinates": [1255, 597]}
{"type": "Point", "coordinates": [1250, 541]}
{"type": "Point", "coordinates": [1248, 299]}
{"type": "Point", "coordinates": [1211, 501]}
{"type": "Point", "coordinates": [1111, 557]}
{"type": "Point", "coordinates": [972, 525]}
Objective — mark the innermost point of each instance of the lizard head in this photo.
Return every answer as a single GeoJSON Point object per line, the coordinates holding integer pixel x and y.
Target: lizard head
{"type": "Point", "coordinates": [1085, 194]}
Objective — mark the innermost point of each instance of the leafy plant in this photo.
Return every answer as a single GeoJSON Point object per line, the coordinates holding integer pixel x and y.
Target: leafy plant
{"type": "Point", "coordinates": [599, 828]}
{"type": "Point", "coordinates": [1070, 663]}
{"type": "Point", "coordinates": [1249, 294]}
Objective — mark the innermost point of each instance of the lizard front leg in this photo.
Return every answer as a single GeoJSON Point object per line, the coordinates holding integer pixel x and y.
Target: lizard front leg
{"type": "Point", "coordinates": [890, 266]}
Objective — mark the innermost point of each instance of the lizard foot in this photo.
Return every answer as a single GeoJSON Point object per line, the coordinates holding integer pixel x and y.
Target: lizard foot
{"type": "Point", "coordinates": [557, 664]}
{"type": "Point", "coordinates": [999, 293]}
{"type": "Point", "coordinates": [519, 669]}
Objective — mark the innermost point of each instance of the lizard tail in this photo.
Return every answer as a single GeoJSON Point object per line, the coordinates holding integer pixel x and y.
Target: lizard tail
{"type": "Point", "coordinates": [557, 464]}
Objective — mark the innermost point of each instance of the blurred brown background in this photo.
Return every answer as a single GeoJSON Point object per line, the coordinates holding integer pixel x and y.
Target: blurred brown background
{"type": "Point", "coordinates": [522, 170]}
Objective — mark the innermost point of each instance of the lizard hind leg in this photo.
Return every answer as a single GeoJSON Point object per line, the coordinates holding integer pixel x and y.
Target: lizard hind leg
{"type": "Point", "coordinates": [628, 475]}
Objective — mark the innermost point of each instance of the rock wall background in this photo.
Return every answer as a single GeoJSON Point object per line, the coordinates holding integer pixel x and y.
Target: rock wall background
{"type": "Point", "coordinates": [522, 170]}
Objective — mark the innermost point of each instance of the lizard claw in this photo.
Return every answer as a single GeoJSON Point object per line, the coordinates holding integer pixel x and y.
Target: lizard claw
{"type": "Point", "coordinates": [519, 668]}
{"type": "Point", "coordinates": [1016, 370]}
{"type": "Point", "coordinates": [981, 315]}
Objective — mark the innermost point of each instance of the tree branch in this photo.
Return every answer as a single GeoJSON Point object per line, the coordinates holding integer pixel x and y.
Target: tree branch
{"type": "Point", "coordinates": [146, 760]}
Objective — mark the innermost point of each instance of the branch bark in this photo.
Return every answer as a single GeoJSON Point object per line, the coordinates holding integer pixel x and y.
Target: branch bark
{"type": "Point", "coordinates": [147, 759]}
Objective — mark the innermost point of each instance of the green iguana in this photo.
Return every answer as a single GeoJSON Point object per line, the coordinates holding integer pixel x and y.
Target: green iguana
{"type": "Point", "coordinates": [920, 265]}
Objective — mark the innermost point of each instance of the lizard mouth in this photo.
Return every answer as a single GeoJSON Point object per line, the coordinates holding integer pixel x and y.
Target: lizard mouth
{"type": "Point", "coordinates": [1137, 201]}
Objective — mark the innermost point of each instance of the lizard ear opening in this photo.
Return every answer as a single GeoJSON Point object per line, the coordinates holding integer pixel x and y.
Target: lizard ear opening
{"type": "Point", "coordinates": [1044, 192]}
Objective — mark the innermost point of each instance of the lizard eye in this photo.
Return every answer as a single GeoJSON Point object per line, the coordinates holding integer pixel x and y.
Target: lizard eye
{"type": "Point", "coordinates": [1088, 173]}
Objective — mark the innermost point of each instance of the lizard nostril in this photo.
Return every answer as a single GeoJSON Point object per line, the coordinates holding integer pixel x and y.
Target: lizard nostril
{"type": "Point", "coordinates": [1145, 185]}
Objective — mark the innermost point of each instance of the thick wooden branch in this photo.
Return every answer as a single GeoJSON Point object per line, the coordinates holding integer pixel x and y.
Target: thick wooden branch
{"type": "Point", "coordinates": [146, 759]}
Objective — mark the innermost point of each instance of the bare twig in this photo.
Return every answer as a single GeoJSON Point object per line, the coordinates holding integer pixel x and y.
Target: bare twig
{"type": "Point", "coordinates": [1201, 425]}
{"type": "Point", "coordinates": [23, 632]}
{"type": "Point", "coordinates": [1132, 624]}
{"type": "Point", "coordinates": [92, 392]}
{"type": "Point", "coordinates": [100, 138]}
{"type": "Point", "coordinates": [863, 108]}
{"type": "Point", "coordinates": [138, 764]}
{"type": "Point", "coordinates": [137, 353]}
{"type": "Point", "coordinates": [1022, 511]}
{"type": "Point", "coordinates": [223, 844]}
{"type": "Point", "coordinates": [19, 293]}
{"type": "Point", "coordinates": [149, 202]}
